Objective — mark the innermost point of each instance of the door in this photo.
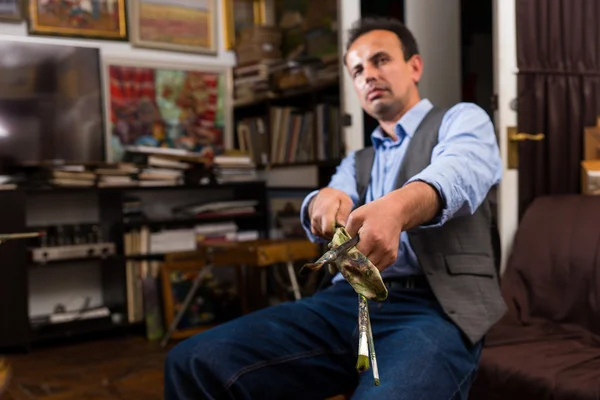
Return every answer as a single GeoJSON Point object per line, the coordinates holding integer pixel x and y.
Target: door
{"type": "Point", "coordinates": [505, 117]}
{"type": "Point", "coordinates": [558, 88]}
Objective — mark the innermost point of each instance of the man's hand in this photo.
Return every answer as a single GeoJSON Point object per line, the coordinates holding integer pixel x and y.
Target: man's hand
{"type": "Point", "coordinates": [328, 207]}
{"type": "Point", "coordinates": [380, 222]}
{"type": "Point", "coordinates": [379, 232]}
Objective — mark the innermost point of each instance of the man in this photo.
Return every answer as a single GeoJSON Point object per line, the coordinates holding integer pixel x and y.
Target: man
{"type": "Point", "coordinates": [417, 198]}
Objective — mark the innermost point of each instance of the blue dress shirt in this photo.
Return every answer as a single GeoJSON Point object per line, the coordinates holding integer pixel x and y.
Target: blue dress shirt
{"type": "Point", "coordinates": [465, 164]}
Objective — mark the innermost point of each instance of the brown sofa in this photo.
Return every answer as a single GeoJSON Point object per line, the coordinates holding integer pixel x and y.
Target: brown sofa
{"type": "Point", "coordinates": [547, 346]}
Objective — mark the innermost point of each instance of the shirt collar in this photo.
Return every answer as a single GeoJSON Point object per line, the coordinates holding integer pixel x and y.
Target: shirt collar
{"type": "Point", "coordinates": [406, 125]}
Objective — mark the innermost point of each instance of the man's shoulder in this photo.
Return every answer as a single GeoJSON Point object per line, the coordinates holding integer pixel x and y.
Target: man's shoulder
{"type": "Point", "coordinates": [465, 108]}
{"type": "Point", "coordinates": [365, 153]}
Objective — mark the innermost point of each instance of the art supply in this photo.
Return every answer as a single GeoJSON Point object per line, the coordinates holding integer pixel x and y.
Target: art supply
{"type": "Point", "coordinates": [362, 363]}
{"type": "Point", "coordinates": [364, 277]}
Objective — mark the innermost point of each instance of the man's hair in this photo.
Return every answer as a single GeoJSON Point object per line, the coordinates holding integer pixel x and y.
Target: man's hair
{"type": "Point", "coordinates": [368, 24]}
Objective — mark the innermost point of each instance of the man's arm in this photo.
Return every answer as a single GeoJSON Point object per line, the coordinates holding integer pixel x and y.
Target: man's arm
{"type": "Point", "coordinates": [416, 203]}
{"type": "Point", "coordinates": [465, 165]}
{"type": "Point", "coordinates": [344, 179]}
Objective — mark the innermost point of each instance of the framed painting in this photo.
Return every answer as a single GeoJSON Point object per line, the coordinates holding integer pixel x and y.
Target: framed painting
{"type": "Point", "coordinates": [11, 10]}
{"type": "Point", "coordinates": [97, 19]}
{"type": "Point", "coordinates": [166, 105]}
{"type": "Point", "coordinates": [178, 25]}
{"type": "Point", "coordinates": [177, 280]}
{"type": "Point", "coordinates": [240, 14]}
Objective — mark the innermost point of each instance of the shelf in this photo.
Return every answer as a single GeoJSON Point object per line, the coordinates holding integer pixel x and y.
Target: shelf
{"type": "Point", "coordinates": [190, 220]}
{"type": "Point", "coordinates": [80, 260]}
{"type": "Point", "coordinates": [19, 330]}
{"type": "Point", "coordinates": [318, 164]}
{"type": "Point", "coordinates": [48, 331]}
{"type": "Point", "coordinates": [94, 189]}
{"type": "Point", "coordinates": [287, 94]}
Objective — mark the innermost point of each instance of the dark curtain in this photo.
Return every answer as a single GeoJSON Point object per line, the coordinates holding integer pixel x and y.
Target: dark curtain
{"type": "Point", "coordinates": [558, 86]}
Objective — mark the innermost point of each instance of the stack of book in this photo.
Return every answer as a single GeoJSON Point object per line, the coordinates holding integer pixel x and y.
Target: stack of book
{"type": "Point", "coordinates": [234, 168]}
{"type": "Point", "coordinates": [118, 175]}
{"type": "Point", "coordinates": [72, 175]}
{"type": "Point", "coordinates": [253, 81]}
{"type": "Point", "coordinates": [161, 166]}
{"type": "Point", "coordinates": [217, 209]}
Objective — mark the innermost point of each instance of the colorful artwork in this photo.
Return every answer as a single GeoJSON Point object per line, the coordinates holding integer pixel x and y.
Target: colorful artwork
{"type": "Point", "coordinates": [169, 108]}
{"type": "Point", "coordinates": [181, 25]}
{"type": "Point", "coordinates": [90, 18]}
{"type": "Point", "coordinates": [215, 299]}
{"type": "Point", "coordinates": [202, 308]}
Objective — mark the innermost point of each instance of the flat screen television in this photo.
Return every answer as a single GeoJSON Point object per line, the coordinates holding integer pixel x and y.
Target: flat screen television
{"type": "Point", "coordinates": [50, 104]}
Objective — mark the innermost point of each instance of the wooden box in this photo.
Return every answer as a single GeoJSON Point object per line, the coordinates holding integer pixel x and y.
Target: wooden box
{"type": "Point", "coordinates": [590, 177]}
{"type": "Point", "coordinates": [591, 142]}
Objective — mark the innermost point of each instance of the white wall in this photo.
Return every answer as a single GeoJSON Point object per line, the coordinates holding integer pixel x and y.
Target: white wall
{"type": "Point", "coordinates": [505, 86]}
{"type": "Point", "coordinates": [349, 11]}
{"type": "Point", "coordinates": [436, 26]}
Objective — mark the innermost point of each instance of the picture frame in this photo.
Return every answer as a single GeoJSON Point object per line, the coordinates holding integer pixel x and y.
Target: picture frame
{"type": "Point", "coordinates": [12, 11]}
{"type": "Point", "coordinates": [198, 17]}
{"type": "Point", "coordinates": [105, 19]}
{"type": "Point", "coordinates": [181, 100]}
{"type": "Point", "coordinates": [238, 14]}
{"type": "Point", "coordinates": [177, 278]}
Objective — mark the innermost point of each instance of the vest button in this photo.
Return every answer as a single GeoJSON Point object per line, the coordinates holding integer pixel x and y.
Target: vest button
{"type": "Point", "coordinates": [451, 312]}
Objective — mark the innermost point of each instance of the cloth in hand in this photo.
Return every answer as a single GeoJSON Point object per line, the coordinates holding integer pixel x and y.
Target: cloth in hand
{"type": "Point", "coordinates": [360, 273]}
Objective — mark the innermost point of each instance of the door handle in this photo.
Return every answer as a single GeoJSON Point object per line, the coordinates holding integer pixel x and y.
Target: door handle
{"type": "Point", "coordinates": [520, 137]}
{"type": "Point", "coordinates": [513, 137]}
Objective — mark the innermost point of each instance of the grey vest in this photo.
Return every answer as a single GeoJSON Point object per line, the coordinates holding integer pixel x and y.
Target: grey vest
{"type": "Point", "coordinates": [458, 258]}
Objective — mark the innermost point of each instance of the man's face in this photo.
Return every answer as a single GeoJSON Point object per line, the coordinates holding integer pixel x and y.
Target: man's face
{"type": "Point", "coordinates": [385, 83]}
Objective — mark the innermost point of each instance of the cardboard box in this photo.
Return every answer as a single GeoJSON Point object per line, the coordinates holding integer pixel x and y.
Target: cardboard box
{"type": "Point", "coordinates": [591, 142]}
{"type": "Point", "coordinates": [590, 177]}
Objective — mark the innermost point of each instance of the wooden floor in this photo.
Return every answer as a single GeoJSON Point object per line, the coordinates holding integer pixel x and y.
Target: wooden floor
{"type": "Point", "coordinates": [123, 369]}
{"type": "Point", "coordinates": [115, 369]}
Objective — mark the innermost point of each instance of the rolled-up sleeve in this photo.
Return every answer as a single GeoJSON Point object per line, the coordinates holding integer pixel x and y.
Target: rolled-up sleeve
{"type": "Point", "coordinates": [465, 164]}
{"type": "Point", "coordinates": [343, 179]}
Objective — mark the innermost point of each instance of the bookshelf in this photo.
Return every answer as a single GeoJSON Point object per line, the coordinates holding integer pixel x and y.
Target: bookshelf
{"type": "Point", "coordinates": [21, 328]}
{"type": "Point", "coordinates": [294, 127]}
{"type": "Point", "coordinates": [287, 109]}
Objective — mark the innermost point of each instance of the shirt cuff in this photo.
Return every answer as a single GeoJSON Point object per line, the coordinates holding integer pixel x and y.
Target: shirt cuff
{"type": "Point", "coordinates": [446, 212]}
{"type": "Point", "coordinates": [305, 220]}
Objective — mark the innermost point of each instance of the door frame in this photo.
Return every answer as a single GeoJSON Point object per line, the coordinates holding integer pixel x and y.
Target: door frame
{"type": "Point", "coordinates": [504, 36]}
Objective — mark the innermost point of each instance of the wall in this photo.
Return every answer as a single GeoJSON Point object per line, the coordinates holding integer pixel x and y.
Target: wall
{"type": "Point", "coordinates": [436, 26]}
{"type": "Point", "coordinates": [349, 11]}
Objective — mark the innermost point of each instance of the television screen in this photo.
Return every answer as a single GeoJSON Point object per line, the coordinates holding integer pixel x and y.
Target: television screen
{"type": "Point", "coordinates": [50, 104]}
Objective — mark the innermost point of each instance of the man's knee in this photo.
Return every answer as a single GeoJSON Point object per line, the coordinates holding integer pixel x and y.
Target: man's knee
{"type": "Point", "coordinates": [190, 371]}
{"type": "Point", "coordinates": [178, 358]}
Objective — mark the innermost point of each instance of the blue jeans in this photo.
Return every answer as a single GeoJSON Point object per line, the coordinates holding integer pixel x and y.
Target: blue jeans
{"type": "Point", "coordinates": [307, 349]}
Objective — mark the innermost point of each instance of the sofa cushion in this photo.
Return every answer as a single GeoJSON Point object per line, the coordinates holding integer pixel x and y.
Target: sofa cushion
{"type": "Point", "coordinates": [543, 360]}
{"type": "Point", "coordinates": [547, 346]}
{"type": "Point", "coordinates": [553, 272]}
